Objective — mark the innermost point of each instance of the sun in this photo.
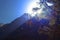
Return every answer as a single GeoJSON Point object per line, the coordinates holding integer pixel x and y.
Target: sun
{"type": "Point", "coordinates": [32, 5]}
{"type": "Point", "coordinates": [39, 8]}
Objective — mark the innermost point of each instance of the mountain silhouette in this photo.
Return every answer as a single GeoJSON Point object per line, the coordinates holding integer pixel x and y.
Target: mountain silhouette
{"type": "Point", "coordinates": [26, 28]}
{"type": "Point", "coordinates": [20, 28]}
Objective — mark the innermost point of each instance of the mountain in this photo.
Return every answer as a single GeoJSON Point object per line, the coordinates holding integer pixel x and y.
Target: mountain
{"type": "Point", "coordinates": [21, 24]}
{"type": "Point", "coordinates": [27, 28]}
{"type": "Point", "coordinates": [13, 25]}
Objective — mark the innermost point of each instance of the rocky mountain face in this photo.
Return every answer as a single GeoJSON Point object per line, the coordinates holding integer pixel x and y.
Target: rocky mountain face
{"type": "Point", "coordinates": [24, 28]}
{"type": "Point", "coordinates": [8, 28]}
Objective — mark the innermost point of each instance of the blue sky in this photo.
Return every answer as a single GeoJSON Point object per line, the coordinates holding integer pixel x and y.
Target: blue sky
{"type": "Point", "coordinates": [11, 9]}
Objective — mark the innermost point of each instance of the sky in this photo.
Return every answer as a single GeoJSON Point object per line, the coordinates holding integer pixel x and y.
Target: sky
{"type": "Point", "coordinates": [12, 9]}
